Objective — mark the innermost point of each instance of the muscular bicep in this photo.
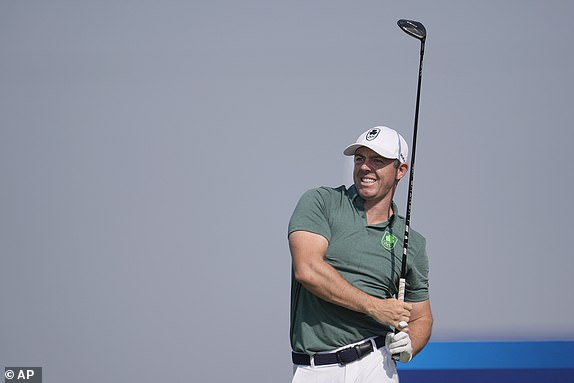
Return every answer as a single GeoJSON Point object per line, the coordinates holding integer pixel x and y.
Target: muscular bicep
{"type": "Point", "coordinates": [307, 249]}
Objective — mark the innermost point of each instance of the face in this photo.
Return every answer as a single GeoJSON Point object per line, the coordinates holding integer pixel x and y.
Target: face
{"type": "Point", "coordinates": [375, 176]}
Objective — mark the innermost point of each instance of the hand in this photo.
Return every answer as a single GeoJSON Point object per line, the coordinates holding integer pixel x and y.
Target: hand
{"type": "Point", "coordinates": [390, 311]}
{"type": "Point", "coordinates": [399, 344]}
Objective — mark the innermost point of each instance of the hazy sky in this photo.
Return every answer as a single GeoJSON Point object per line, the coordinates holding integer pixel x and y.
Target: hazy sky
{"type": "Point", "coordinates": [151, 153]}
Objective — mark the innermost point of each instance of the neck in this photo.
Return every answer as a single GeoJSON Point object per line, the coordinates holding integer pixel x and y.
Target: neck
{"type": "Point", "coordinates": [379, 212]}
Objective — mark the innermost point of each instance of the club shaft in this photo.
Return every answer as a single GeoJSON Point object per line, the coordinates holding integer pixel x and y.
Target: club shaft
{"type": "Point", "coordinates": [401, 293]}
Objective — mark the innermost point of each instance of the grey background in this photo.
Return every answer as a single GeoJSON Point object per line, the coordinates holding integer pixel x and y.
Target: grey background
{"type": "Point", "coordinates": [151, 154]}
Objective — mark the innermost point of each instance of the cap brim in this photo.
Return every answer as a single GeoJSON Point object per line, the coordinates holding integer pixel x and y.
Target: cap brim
{"type": "Point", "coordinates": [350, 150]}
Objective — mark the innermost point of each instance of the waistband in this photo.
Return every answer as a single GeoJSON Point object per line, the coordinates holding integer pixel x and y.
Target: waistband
{"type": "Point", "coordinates": [341, 357]}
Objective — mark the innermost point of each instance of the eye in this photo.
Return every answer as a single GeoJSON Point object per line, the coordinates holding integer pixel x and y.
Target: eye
{"type": "Point", "coordinates": [359, 159]}
{"type": "Point", "coordinates": [378, 161]}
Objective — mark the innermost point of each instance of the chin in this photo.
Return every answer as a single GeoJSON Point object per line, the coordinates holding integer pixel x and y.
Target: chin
{"type": "Point", "coordinates": [364, 195]}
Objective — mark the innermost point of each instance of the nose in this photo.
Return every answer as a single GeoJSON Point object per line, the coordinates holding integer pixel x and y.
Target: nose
{"type": "Point", "coordinates": [365, 166]}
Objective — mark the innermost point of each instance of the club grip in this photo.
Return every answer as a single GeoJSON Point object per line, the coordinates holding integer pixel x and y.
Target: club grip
{"type": "Point", "coordinates": [401, 294]}
{"type": "Point", "coordinates": [400, 297]}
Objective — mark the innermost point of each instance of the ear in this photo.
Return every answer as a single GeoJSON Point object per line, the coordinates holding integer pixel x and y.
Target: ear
{"type": "Point", "coordinates": [401, 171]}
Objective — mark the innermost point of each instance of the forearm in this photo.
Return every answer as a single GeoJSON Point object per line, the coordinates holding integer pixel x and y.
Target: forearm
{"type": "Point", "coordinates": [324, 281]}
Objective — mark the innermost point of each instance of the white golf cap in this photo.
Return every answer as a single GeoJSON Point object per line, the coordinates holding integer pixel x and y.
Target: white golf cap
{"type": "Point", "coordinates": [383, 140]}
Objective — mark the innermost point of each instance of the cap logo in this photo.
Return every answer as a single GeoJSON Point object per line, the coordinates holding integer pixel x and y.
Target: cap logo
{"type": "Point", "coordinates": [372, 134]}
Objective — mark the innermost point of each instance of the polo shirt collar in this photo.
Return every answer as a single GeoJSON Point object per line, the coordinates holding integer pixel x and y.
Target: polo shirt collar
{"type": "Point", "coordinates": [360, 205]}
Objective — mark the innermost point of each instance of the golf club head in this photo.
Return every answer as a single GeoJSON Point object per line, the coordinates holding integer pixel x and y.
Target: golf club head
{"type": "Point", "coordinates": [413, 28]}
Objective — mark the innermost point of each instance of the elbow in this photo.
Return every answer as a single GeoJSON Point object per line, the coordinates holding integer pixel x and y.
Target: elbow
{"type": "Point", "coordinates": [304, 274]}
{"type": "Point", "coordinates": [429, 324]}
{"type": "Point", "coordinates": [431, 321]}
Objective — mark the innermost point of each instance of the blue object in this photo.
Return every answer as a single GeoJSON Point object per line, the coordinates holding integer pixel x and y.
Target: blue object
{"type": "Point", "coordinates": [508, 362]}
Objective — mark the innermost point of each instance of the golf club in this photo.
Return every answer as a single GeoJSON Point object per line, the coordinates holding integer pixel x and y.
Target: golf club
{"type": "Point", "coordinates": [418, 31]}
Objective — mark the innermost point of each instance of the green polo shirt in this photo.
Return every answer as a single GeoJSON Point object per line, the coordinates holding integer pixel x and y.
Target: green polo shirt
{"type": "Point", "coordinates": [367, 256]}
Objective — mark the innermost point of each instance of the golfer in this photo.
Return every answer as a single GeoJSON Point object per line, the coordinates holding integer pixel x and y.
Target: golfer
{"type": "Point", "coordinates": [346, 249]}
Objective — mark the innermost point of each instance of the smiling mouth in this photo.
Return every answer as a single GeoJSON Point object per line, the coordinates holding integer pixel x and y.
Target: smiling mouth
{"type": "Point", "coordinates": [366, 180]}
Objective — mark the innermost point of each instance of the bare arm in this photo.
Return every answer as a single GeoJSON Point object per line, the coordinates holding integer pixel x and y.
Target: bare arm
{"type": "Point", "coordinates": [308, 252]}
{"type": "Point", "coordinates": [420, 325]}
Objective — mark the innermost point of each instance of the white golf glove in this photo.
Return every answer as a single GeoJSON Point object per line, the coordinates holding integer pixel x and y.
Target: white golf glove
{"type": "Point", "coordinates": [399, 344]}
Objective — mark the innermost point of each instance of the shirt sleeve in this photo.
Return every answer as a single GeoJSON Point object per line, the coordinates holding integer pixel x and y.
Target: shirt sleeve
{"type": "Point", "coordinates": [311, 214]}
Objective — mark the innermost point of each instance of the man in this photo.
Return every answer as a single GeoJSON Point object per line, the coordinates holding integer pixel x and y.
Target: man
{"type": "Point", "coordinates": [346, 249]}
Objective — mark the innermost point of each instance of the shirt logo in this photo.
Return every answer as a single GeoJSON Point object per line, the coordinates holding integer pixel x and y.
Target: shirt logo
{"type": "Point", "coordinates": [388, 240]}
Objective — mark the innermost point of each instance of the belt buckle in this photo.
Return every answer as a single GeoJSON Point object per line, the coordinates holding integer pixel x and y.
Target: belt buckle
{"type": "Point", "coordinates": [361, 350]}
{"type": "Point", "coordinates": [340, 357]}
{"type": "Point", "coordinates": [364, 349]}
{"type": "Point", "coordinates": [352, 358]}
